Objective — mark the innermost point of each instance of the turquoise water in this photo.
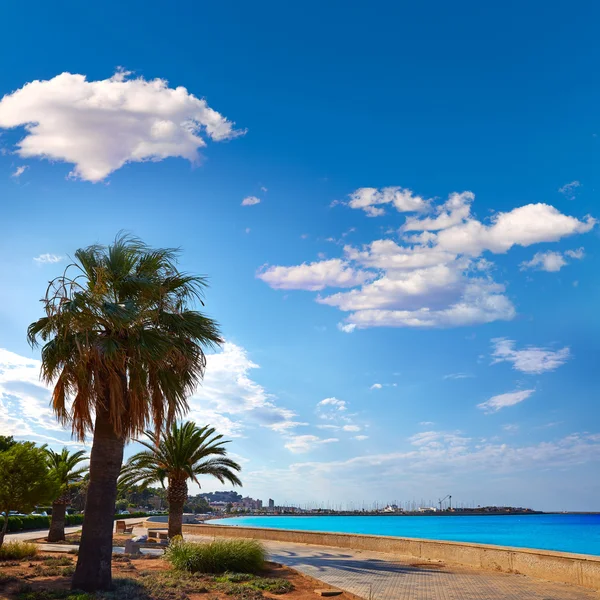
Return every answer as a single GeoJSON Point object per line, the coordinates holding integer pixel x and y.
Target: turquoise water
{"type": "Point", "coordinates": [566, 533]}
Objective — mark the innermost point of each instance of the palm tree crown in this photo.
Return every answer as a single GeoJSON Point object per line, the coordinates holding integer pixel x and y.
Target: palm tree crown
{"type": "Point", "coordinates": [119, 334]}
{"type": "Point", "coordinates": [63, 466]}
{"type": "Point", "coordinates": [181, 453]}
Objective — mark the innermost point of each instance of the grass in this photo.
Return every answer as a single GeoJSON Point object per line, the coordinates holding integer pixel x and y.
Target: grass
{"type": "Point", "coordinates": [218, 556]}
{"type": "Point", "coordinates": [17, 550]}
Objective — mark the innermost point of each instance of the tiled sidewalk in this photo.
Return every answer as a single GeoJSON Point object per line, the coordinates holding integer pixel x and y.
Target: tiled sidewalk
{"type": "Point", "coordinates": [375, 576]}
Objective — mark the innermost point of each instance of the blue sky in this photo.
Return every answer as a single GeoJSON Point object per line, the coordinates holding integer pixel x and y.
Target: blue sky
{"type": "Point", "coordinates": [411, 308]}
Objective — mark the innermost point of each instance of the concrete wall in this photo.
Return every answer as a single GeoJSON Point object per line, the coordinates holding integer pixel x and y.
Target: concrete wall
{"type": "Point", "coordinates": [577, 569]}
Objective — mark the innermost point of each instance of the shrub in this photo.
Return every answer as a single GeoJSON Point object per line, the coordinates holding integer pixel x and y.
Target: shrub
{"type": "Point", "coordinates": [17, 550]}
{"type": "Point", "coordinates": [218, 556]}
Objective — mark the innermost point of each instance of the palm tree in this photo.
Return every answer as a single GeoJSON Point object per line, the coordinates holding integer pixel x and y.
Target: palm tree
{"type": "Point", "coordinates": [183, 452]}
{"type": "Point", "coordinates": [123, 348]}
{"type": "Point", "coordinates": [63, 467]}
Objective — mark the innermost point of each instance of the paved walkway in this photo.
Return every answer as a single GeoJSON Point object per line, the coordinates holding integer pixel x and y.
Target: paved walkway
{"type": "Point", "coordinates": [376, 576]}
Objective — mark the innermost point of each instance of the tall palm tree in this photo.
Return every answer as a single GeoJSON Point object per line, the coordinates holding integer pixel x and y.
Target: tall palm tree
{"type": "Point", "coordinates": [123, 348]}
{"type": "Point", "coordinates": [183, 452]}
{"type": "Point", "coordinates": [64, 468]}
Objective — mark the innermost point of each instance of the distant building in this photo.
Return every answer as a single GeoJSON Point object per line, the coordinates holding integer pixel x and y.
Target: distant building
{"type": "Point", "coordinates": [392, 508]}
{"type": "Point", "coordinates": [271, 504]}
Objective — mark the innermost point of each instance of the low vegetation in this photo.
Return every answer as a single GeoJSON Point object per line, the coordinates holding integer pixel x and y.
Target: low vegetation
{"type": "Point", "coordinates": [218, 556]}
{"type": "Point", "coordinates": [17, 550]}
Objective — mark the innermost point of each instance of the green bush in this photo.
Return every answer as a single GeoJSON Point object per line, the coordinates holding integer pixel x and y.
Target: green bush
{"type": "Point", "coordinates": [218, 556]}
{"type": "Point", "coordinates": [17, 550]}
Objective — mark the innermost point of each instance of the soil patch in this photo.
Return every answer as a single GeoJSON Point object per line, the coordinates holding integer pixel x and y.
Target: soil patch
{"type": "Point", "coordinates": [48, 577]}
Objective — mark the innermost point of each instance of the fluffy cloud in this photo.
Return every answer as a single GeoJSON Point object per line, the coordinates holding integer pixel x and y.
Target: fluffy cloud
{"type": "Point", "coordinates": [376, 386]}
{"type": "Point", "coordinates": [25, 402]}
{"type": "Point", "coordinates": [435, 278]}
{"type": "Point", "coordinates": [332, 402]}
{"type": "Point", "coordinates": [496, 403]}
{"type": "Point", "coordinates": [99, 126]}
{"type": "Point", "coordinates": [531, 360]}
{"type": "Point", "coordinates": [551, 261]}
{"type": "Point", "coordinates": [371, 199]}
{"type": "Point", "coordinates": [300, 444]}
{"type": "Point", "coordinates": [314, 276]}
{"type": "Point", "coordinates": [231, 400]}
{"type": "Point", "coordinates": [568, 190]}
{"type": "Point", "coordinates": [250, 201]}
{"type": "Point", "coordinates": [361, 438]}
{"type": "Point", "coordinates": [48, 258]}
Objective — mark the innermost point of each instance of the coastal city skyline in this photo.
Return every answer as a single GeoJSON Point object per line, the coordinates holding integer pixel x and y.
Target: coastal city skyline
{"type": "Point", "coordinates": [400, 236]}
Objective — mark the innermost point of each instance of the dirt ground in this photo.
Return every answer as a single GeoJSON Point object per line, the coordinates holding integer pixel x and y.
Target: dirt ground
{"type": "Point", "coordinates": [48, 575]}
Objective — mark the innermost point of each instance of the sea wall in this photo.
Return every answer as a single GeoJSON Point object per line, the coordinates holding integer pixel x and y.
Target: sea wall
{"type": "Point", "coordinates": [564, 567]}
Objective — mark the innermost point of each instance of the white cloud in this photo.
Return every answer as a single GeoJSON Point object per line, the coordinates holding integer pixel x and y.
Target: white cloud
{"type": "Point", "coordinates": [551, 261]}
{"type": "Point", "coordinates": [333, 402]}
{"type": "Point", "coordinates": [577, 254]}
{"type": "Point", "coordinates": [314, 276]}
{"type": "Point", "coordinates": [99, 126]}
{"type": "Point", "coordinates": [25, 401]}
{"type": "Point", "coordinates": [568, 190]}
{"type": "Point", "coordinates": [351, 428]}
{"type": "Point", "coordinates": [250, 201]}
{"type": "Point", "coordinates": [458, 376]}
{"type": "Point", "coordinates": [263, 189]}
{"type": "Point", "coordinates": [230, 400]}
{"type": "Point", "coordinates": [545, 261]}
{"type": "Point", "coordinates": [376, 386]}
{"type": "Point", "coordinates": [511, 427]}
{"type": "Point", "coordinates": [436, 278]}
{"type": "Point", "coordinates": [426, 423]}
{"type": "Point", "coordinates": [371, 199]}
{"type": "Point", "coordinates": [361, 438]}
{"type": "Point", "coordinates": [522, 226]}
{"type": "Point", "coordinates": [48, 258]}
{"type": "Point", "coordinates": [496, 403]}
{"type": "Point", "coordinates": [531, 360]}
{"type": "Point", "coordinates": [19, 171]}
{"type": "Point", "coordinates": [305, 443]}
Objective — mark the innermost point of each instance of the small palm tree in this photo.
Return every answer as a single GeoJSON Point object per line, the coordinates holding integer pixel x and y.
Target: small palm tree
{"type": "Point", "coordinates": [64, 469]}
{"type": "Point", "coordinates": [183, 452]}
{"type": "Point", "coordinates": [123, 349]}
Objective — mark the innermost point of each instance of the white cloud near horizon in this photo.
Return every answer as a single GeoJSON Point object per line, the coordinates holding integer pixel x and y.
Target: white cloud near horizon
{"type": "Point", "coordinates": [531, 360]}
{"type": "Point", "coordinates": [433, 278]}
{"type": "Point", "coordinates": [250, 201]}
{"type": "Point", "coordinates": [99, 126]}
{"type": "Point", "coordinates": [496, 403]}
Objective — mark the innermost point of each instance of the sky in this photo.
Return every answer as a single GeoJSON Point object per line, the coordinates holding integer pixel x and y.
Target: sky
{"type": "Point", "coordinates": [395, 205]}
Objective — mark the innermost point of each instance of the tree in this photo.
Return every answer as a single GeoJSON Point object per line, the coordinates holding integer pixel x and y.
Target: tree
{"type": "Point", "coordinates": [6, 442]}
{"type": "Point", "coordinates": [25, 482]}
{"type": "Point", "coordinates": [64, 468]}
{"type": "Point", "coordinates": [124, 348]}
{"type": "Point", "coordinates": [183, 452]}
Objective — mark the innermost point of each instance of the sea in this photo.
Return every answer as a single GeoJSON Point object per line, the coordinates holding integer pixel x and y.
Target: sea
{"type": "Point", "coordinates": [579, 533]}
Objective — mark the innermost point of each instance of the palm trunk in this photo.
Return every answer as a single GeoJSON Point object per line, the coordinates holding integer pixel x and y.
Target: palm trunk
{"type": "Point", "coordinates": [57, 523]}
{"type": "Point", "coordinates": [176, 496]}
{"type": "Point", "coordinates": [93, 571]}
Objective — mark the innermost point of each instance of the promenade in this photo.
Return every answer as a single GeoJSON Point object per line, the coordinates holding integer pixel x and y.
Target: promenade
{"type": "Point", "coordinates": [377, 576]}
